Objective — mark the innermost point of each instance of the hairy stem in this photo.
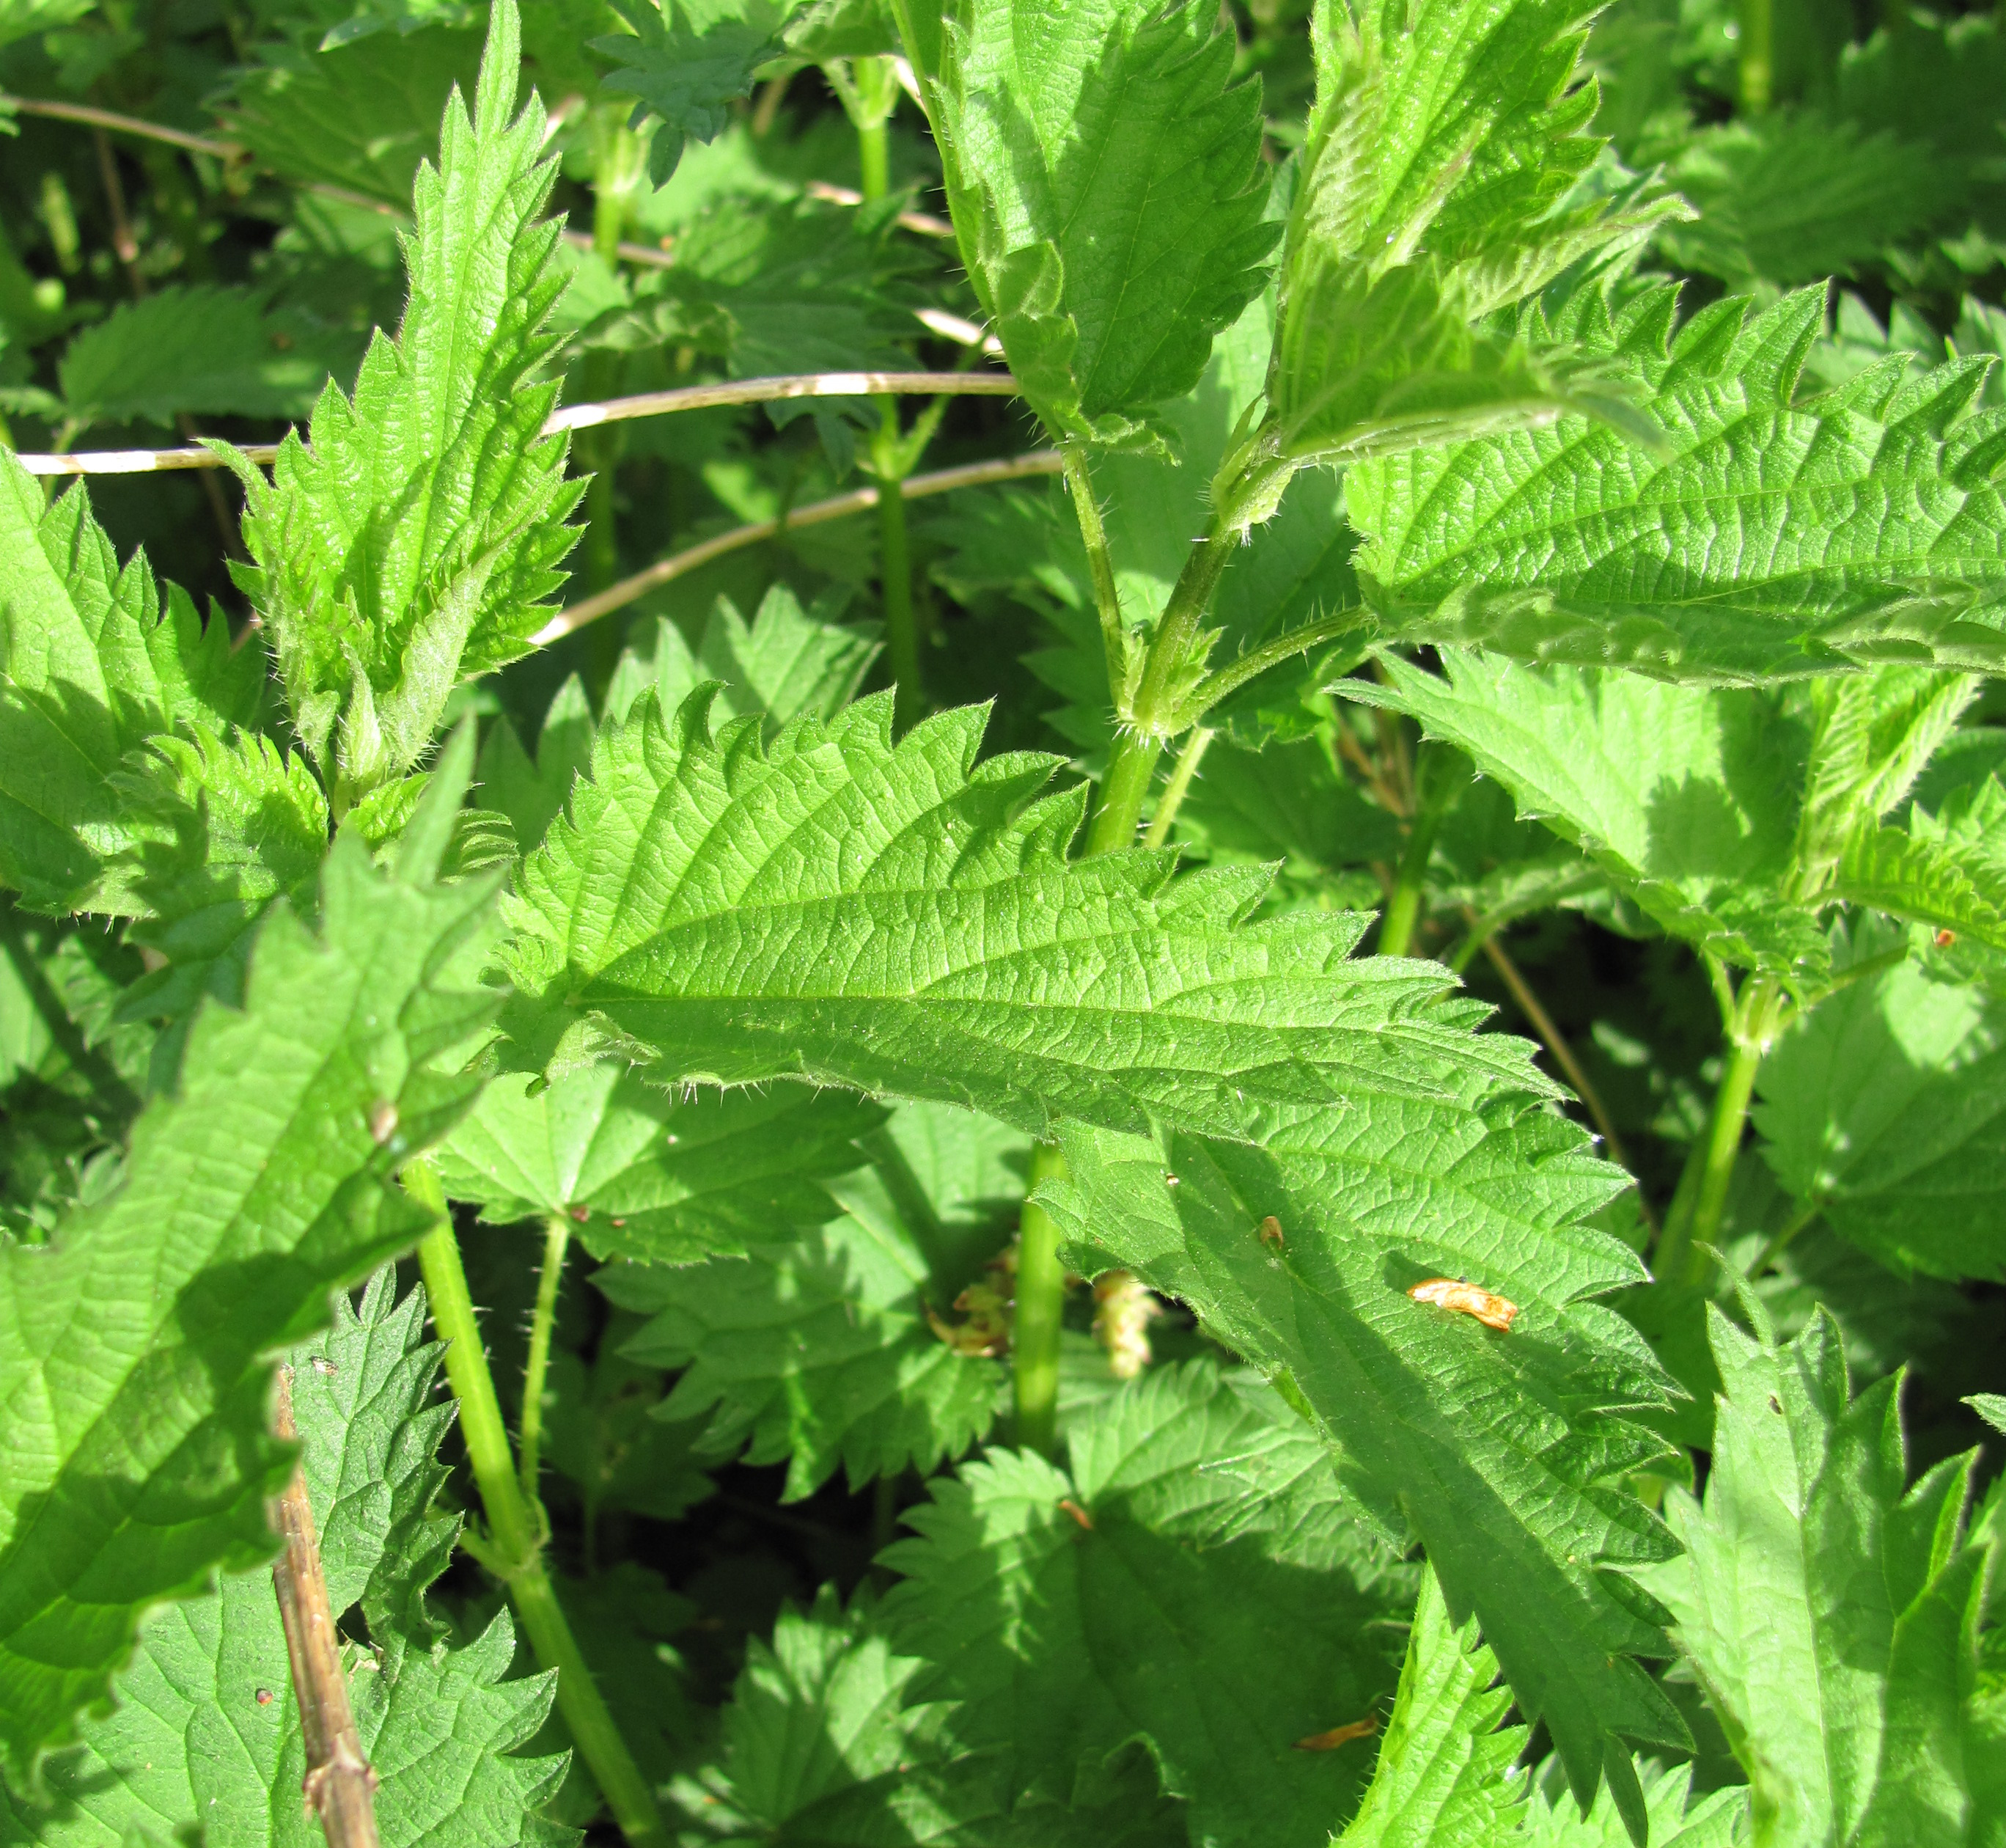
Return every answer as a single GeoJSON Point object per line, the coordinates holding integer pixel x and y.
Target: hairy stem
{"type": "Point", "coordinates": [1182, 774]}
{"type": "Point", "coordinates": [1101, 563]}
{"type": "Point", "coordinates": [1146, 727]}
{"type": "Point", "coordinates": [557, 1243]}
{"type": "Point", "coordinates": [340, 1784]}
{"type": "Point", "coordinates": [1697, 1207]}
{"type": "Point", "coordinates": [514, 1551]}
{"type": "Point", "coordinates": [1041, 1311]}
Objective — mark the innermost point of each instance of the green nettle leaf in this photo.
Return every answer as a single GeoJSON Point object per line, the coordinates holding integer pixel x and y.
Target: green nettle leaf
{"type": "Point", "coordinates": [1507, 1453]}
{"type": "Point", "coordinates": [824, 1350]}
{"type": "Point", "coordinates": [206, 1734]}
{"type": "Point", "coordinates": [1062, 1634]}
{"type": "Point", "coordinates": [531, 790]}
{"type": "Point", "coordinates": [410, 542]}
{"type": "Point", "coordinates": [1718, 1821]}
{"type": "Point", "coordinates": [822, 1748]}
{"type": "Point", "coordinates": [233, 823]}
{"type": "Point", "coordinates": [688, 61]}
{"type": "Point", "coordinates": [789, 663]}
{"type": "Point", "coordinates": [360, 116]}
{"type": "Point", "coordinates": [650, 1176]}
{"type": "Point", "coordinates": [1883, 1110]}
{"type": "Point", "coordinates": [1831, 1617]}
{"type": "Point", "coordinates": [139, 1460]}
{"type": "Point", "coordinates": [833, 907]}
{"type": "Point", "coordinates": [1445, 1776]}
{"type": "Point", "coordinates": [1103, 172]}
{"type": "Point", "coordinates": [1434, 184]}
{"type": "Point", "coordinates": [1795, 197]}
{"type": "Point", "coordinates": [1947, 869]}
{"type": "Point", "coordinates": [1771, 538]}
{"type": "Point", "coordinates": [216, 351]}
{"type": "Point", "coordinates": [91, 665]}
{"type": "Point", "coordinates": [1687, 798]}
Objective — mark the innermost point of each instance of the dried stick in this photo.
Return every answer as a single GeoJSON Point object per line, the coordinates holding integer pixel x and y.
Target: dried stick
{"type": "Point", "coordinates": [338, 1782]}
{"type": "Point", "coordinates": [576, 416]}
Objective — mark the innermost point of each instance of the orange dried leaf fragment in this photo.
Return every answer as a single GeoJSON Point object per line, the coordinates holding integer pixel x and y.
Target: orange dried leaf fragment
{"type": "Point", "coordinates": [1466, 1298]}
{"type": "Point", "coordinates": [1340, 1735]}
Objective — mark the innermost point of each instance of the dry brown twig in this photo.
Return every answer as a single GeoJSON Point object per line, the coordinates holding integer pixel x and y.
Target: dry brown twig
{"type": "Point", "coordinates": [339, 1784]}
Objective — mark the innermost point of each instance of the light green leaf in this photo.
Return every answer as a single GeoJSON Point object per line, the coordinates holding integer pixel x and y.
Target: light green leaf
{"type": "Point", "coordinates": [821, 1351]}
{"type": "Point", "coordinates": [138, 1461]}
{"type": "Point", "coordinates": [1884, 1111]}
{"type": "Point", "coordinates": [93, 667]}
{"type": "Point", "coordinates": [214, 351]}
{"type": "Point", "coordinates": [1685, 797]}
{"type": "Point", "coordinates": [206, 1734]}
{"type": "Point", "coordinates": [650, 1176]}
{"type": "Point", "coordinates": [1062, 1641]}
{"type": "Point", "coordinates": [411, 541]}
{"type": "Point", "coordinates": [23, 19]}
{"type": "Point", "coordinates": [1444, 1777]}
{"type": "Point", "coordinates": [1927, 876]}
{"type": "Point", "coordinates": [1506, 1453]}
{"type": "Point", "coordinates": [1103, 172]}
{"type": "Point", "coordinates": [1770, 538]}
{"type": "Point", "coordinates": [1991, 1406]}
{"type": "Point", "coordinates": [1717, 1821]}
{"type": "Point", "coordinates": [1443, 142]}
{"type": "Point", "coordinates": [833, 907]}
{"type": "Point", "coordinates": [1831, 1617]}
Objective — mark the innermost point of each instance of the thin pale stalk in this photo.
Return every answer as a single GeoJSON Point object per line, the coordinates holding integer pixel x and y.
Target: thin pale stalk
{"type": "Point", "coordinates": [513, 1551]}
{"type": "Point", "coordinates": [572, 417]}
{"type": "Point", "coordinates": [1804, 1217]}
{"type": "Point", "coordinates": [1182, 771]}
{"type": "Point", "coordinates": [340, 1784]}
{"type": "Point", "coordinates": [1041, 1311]}
{"type": "Point", "coordinates": [1556, 1042]}
{"type": "Point", "coordinates": [543, 1322]}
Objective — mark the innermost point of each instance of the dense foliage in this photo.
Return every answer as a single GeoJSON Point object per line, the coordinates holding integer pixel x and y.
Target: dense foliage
{"type": "Point", "coordinates": [877, 812]}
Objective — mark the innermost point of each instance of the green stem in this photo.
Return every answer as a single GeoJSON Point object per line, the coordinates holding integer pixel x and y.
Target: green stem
{"type": "Point", "coordinates": [871, 98]}
{"type": "Point", "coordinates": [894, 572]}
{"type": "Point", "coordinates": [1146, 726]}
{"type": "Point", "coordinates": [1701, 1198]}
{"type": "Point", "coordinates": [1041, 1311]}
{"type": "Point", "coordinates": [1182, 774]}
{"type": "Point", "coordinates": [1101, 563]}
{"type": "Point", "coordinates": [515, 1551]}
{"type": "Point", "coordinates": [1440, 785]}
{"type": "Point", "coordinates": [557, 1242]}
{"type": "Point", "coordinates": [1775, 1248]}
{"type": "Point", "coordinates": [1758, 54]}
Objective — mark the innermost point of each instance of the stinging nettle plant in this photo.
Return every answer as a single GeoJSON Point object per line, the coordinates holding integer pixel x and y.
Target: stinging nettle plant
{"type": "Point", "coordinates": [1418, 548]}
